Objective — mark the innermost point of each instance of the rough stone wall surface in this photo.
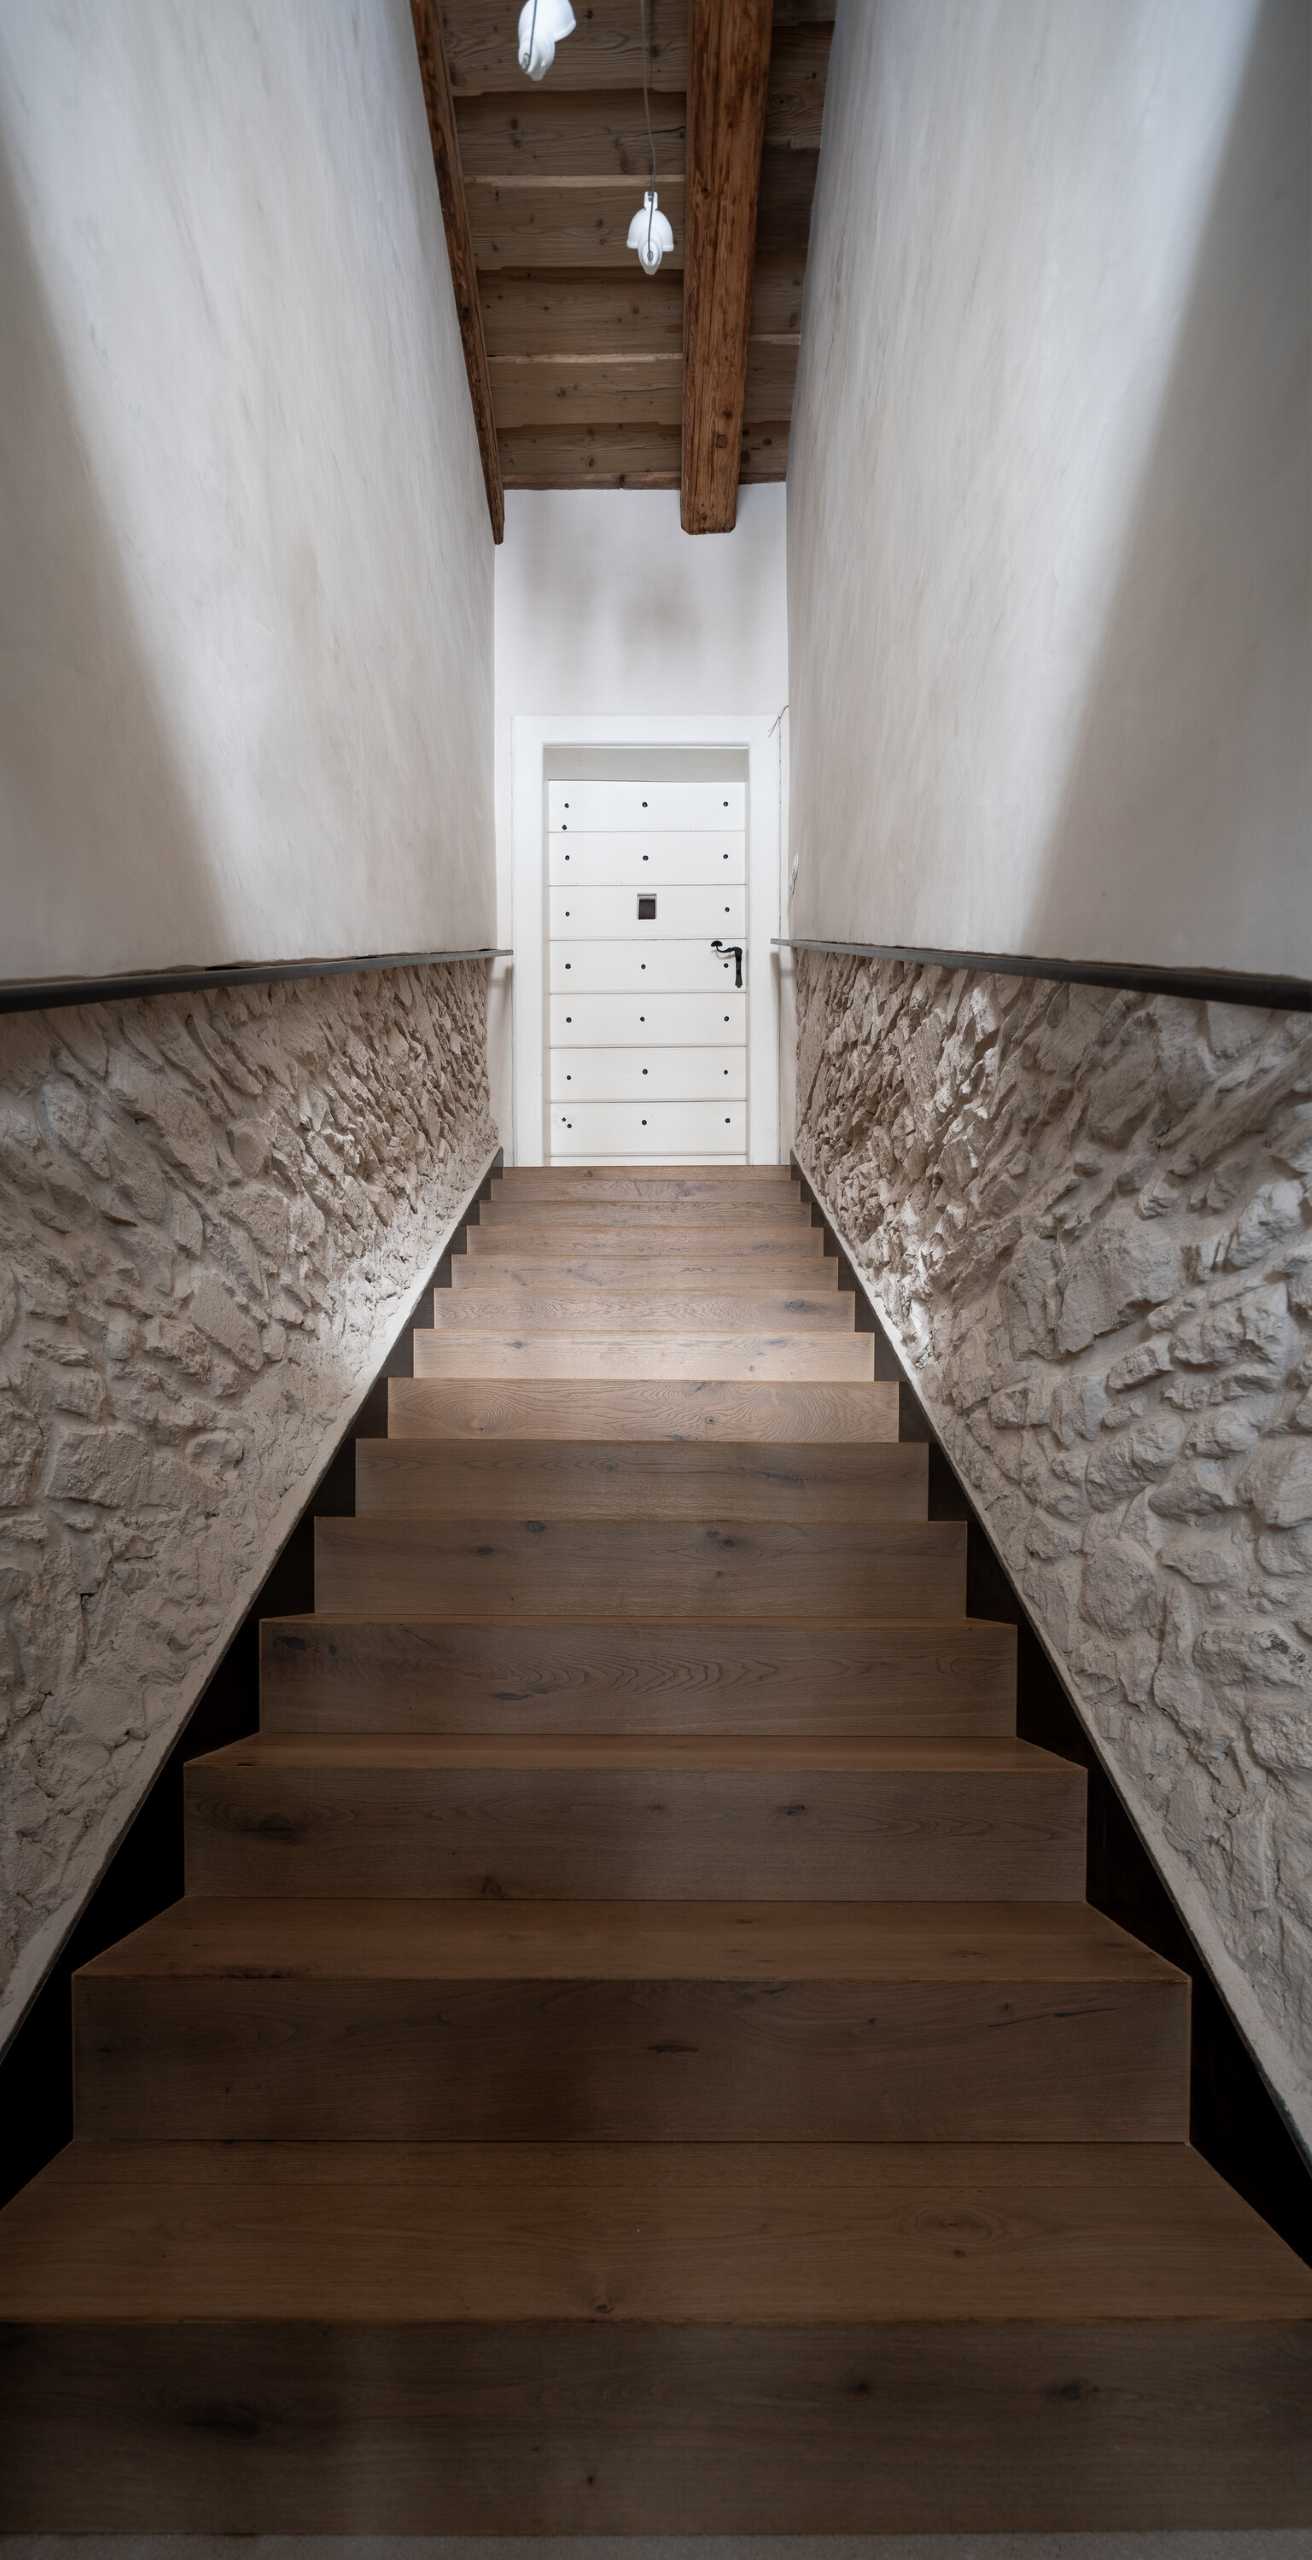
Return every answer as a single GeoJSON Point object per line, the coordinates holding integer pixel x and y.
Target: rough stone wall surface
{"type": "Point", "coordinates": [214, 1211]}
{"type": "Point", "coordinates": [1087, 1217]}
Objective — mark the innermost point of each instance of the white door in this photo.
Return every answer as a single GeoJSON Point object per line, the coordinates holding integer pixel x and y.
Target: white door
{"type": "Point", "coordinates": [647, 1023]}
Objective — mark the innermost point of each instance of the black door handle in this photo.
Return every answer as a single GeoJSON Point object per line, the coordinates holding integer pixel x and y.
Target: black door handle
{"type": "Point", "coordinates": [732, 951]}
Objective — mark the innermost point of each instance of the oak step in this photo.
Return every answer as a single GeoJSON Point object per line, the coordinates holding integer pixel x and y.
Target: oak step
{"type": "Point", "coordinates": [623, 2022]}
{"type": "Point", "coordinates": [637, 1675]}
{"type": "Point", "coordinates": [827, 1357]}
{"type": "Point", "coordinates": [566, 1236]}
{"type": "Point", "coordinates": [489, 1308]}
{"type": "Point", "coordinates": [610, 2339]}
{"type": "Point", "coordinates": [640, 1409]}
{"type": "Point", "coordinates": [745, 1277]}
{"type": "Point", "coordinates": [661, 1479]}
{"type": "Point", "coordinates": [565, 1568]}
{"type": "Point", "coordinates": [765, 1215]}
{"type": "Point", "coordinates": [701, 1818]}
{"type": "Point", "coordinates": [560, 1184]}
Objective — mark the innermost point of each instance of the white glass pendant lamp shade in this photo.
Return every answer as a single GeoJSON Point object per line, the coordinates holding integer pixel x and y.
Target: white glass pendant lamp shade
{"type": "Point", "coordinates": [542, 24]}
{"type": "Point", "coordinates": [650, 233]}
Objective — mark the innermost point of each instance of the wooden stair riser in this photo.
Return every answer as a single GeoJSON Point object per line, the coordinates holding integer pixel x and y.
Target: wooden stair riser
{"type": "Point", "coordinates": [638, 1835]}
{"type": "Point", "coordinates": [828, 1358]}
{"type": "Point", "coordinates": [606, 2061]}
{"type": "Point", "coordinates": [491, 1309]}
{"type": "Point", "coordinates": [683, 1238]}
{"type": "Point", "coordinates": [264, 2425]}
{"type": "Point", "coordinates": [743, 1277]}
{"type": "Point", "coordinates": [611, 1568]}
{"type": "Point", "coordinates": [666, 1480]}
{"type": "Point", "coordinates": [557, 1187]}
{"type": "Point", "coordinates": [635, 1676]}
{"type": "Point", "coordinates": [762, 1217]}
{"type": "Point", "coordinates": [640, 1409]}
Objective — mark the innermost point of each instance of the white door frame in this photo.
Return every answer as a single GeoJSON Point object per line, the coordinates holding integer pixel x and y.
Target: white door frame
{"type": "Point", "coordinates": [530, 739]}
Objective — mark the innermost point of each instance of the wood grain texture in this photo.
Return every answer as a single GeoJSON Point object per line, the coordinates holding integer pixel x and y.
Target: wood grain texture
{"type": "Point", "coordinates": [608, 311]}
{"type": "Point", "coordinates": [558, 1183]}
{"type": "Point", "coordinates": [356, 2425]}
{"type": "Point", "coordinates": [758, 2235]}
{"type": "Point", "coordinates": [639, 390]}
{"type": "Point", "coordinates": [489, 1308]}
{"type": "Point", "coordinates": [546, 1236]}
{"type": "Point", "coordinates": [673, 1480]}
{"type": "Point", "coordinates": [603, 53]}
{"type": "Point", "coordinates": [768, 1215]}
{"type": "Point", "coordinates": [638, 1818]}
{"type": "Point", "coordinates": [645, 1409]}
{"type": "Point", "coordinates": [627, 2022]}
{"type": "Point", "coordinates": [546, 223]}
{"type": "Point", "coordinates": [460, 246]}
{"type": "Point", "coordinates": [324, 1674]}
{"type": "Point", "coordinates": [603, 1568]}
{"type": "Point", "coordinates": [828, 1357]}
{"type": "Point", "coordinates": [681, 1234]}
{"type": "Point", "coordinates": [623, 457]}
{"type": "Point", "coordinates": [748, 1277]}
{"type": "Point", "coordinates": [555, 132]}
{"type": "Point", "coordinates": [728, 72]}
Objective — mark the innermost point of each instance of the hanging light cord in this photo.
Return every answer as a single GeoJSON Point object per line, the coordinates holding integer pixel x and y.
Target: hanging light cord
{"type": "Point", "coordinates": [644, 11]}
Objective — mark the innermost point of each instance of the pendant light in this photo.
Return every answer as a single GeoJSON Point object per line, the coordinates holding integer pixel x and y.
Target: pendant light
{"type": "Point", "coordinates": [542, 24]}
{"type": "Point", "coordinates": [649, 232]}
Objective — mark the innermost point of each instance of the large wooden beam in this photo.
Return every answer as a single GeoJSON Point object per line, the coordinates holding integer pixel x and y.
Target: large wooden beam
{"type": "Point", "coordinates": [460, 247]}
{"type": "Point", "coordinates": [728, 81]}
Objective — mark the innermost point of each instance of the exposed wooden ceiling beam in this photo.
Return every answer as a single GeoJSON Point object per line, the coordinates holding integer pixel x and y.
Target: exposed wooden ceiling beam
{"type": "Point", "coordinates": [460, 249]}
{"type": "Point", "coordinates": [728, 79]}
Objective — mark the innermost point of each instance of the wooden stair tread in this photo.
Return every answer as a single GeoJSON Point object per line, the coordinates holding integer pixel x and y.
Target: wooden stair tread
{"type": "Point", "coordinates": [685, 1478]}
{"type": "Point", "coordinates": [748, 2235]}
{"type": "Point", "coordinates": [978, 1755]}
{"type": "Point", "coordinates": [746, 1276]}
{"type": "Point", "coordinates": [828, 1357]}
{"type": "Point", "coordinates": [489, 1308]}
{"type": "Point", "coordinates": [641, 1409]}
{"type": "Point", "coordinates": [670, 1674]}
{"type": "Point", "coordinates": [423, 1940]}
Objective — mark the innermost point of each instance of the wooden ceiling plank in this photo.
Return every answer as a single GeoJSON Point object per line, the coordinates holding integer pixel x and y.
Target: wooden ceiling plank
{"type": "Point", "coordinates": [729, 62]}
{"type": "Point", "coordinates": [623, 457]}
{"type": "Point", "coordinates": [548, 134]}
{"type": "Point", "coordinates": [460, 250]}
{"type": "Point", "coordinates": [765, 453]}
{"type": "Point", "coordinates": [593, 313]}
{"type": "Point", "coordinates": [573, 390]}
{"type": "Point", "coordinates": [795, 102]}
{"type": "Point", "coordinates": [617, 457]}
{"type": "Point", "coordinates": [628, 389]}
{"type": "Point", "coordinates": [771, 374]}
{"type": "Point", "coordinates": [563, 222]}
{"type": "Point", "coordinates": [604, 52]}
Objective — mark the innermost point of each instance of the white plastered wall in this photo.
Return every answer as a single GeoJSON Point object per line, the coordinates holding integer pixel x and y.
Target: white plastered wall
{"type": "Point", "coordinates": [246, 686]}
{"type": "Point", "coordinates": [606, 609]}
{"type": "Point", "coordinates": [1049, 489]}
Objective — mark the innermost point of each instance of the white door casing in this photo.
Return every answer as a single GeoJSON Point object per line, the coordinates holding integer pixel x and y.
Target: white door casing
{"type": "Point", "coordinates": [680, 979]}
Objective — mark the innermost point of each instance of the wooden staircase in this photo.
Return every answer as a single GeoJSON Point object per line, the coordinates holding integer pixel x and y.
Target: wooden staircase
{"type": "Point", "coordinates": [634, 2054]}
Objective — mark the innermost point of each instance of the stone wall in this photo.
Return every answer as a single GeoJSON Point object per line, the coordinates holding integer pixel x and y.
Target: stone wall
{"type": "Point", "coordinates": [214, 1211]}
{"type": "Point", "coordinates": [1087, 1218]}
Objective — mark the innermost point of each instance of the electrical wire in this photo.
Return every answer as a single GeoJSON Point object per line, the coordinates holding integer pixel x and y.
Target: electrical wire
{"type": "Point", "coordinates": [644, 13]}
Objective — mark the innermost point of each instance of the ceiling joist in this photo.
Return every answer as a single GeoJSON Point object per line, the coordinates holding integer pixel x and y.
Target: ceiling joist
{"type": "Point", "coordinates": [460, 248]}
{"type": "Point", "coordinates": [583, 379]}
{"type": "Point", "coordinates": [728, 76]}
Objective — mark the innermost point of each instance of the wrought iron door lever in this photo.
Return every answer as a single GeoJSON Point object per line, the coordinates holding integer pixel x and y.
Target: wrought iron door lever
{"type": "Point", "coordinates": [732, 951]}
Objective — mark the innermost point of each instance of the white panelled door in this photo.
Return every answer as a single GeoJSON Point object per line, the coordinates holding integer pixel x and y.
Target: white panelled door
{"type": "Point", "coordinates": [647, 1022]}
